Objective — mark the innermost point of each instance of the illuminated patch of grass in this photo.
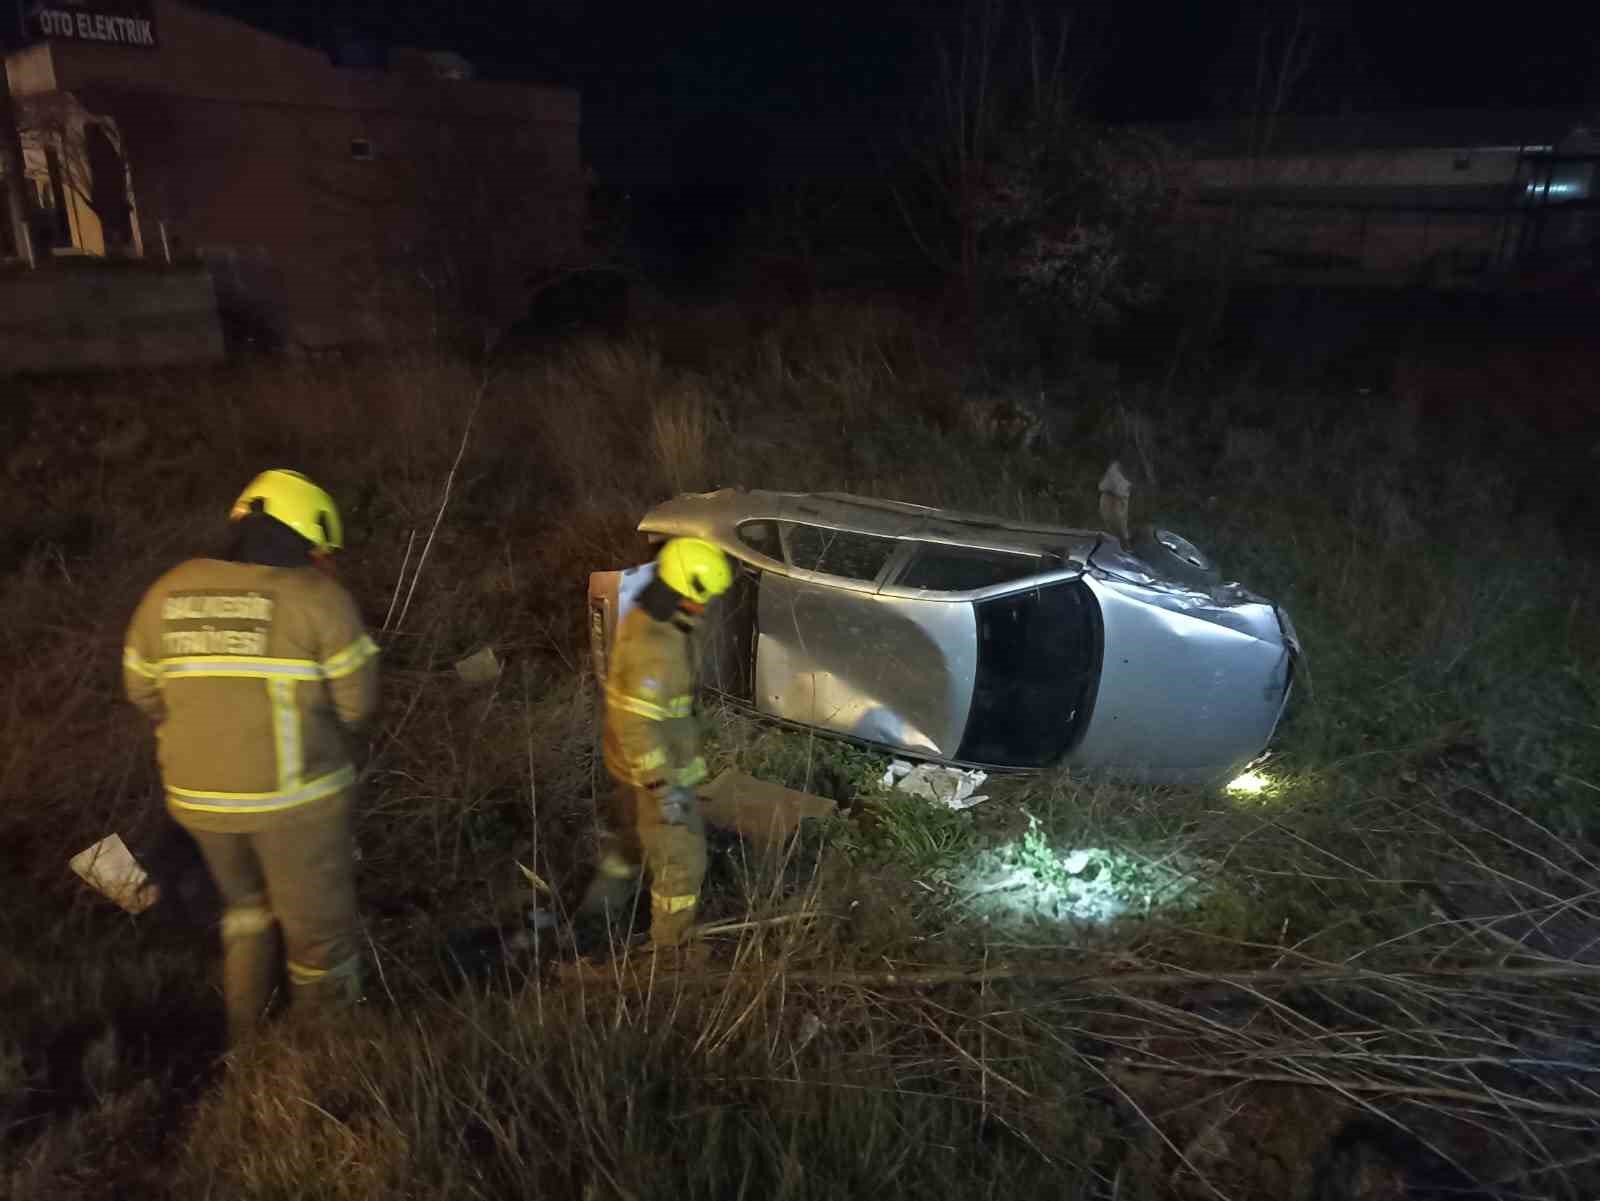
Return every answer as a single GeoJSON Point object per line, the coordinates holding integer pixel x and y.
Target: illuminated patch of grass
{"type": "Point", "coordinates": [918, 836]}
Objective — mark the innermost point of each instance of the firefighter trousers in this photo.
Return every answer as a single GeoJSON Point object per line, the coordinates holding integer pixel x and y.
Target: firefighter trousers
{"type": "Point", "coordinates": [633, 841]}
{"type": "Point", "coordinates": [297, 879]}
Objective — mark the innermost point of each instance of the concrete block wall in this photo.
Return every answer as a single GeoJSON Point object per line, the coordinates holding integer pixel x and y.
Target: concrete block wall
{"type": "Point", "coordinates": [90, 318]}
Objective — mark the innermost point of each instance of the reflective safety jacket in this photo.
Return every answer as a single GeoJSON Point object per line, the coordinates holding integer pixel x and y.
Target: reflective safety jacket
{"type": "Point", "coordinates": [254, 677]}
{"type": "Point", "coordinates": [652, 737]}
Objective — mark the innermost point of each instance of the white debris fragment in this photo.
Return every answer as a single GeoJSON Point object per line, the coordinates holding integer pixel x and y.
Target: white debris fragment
{"type": "Point", "coordinates": [952, 787]}
{"type": "Point", "coordinates": [631, 584]}
{"type": "Point", "coordinates": [1116, 483]}
{"type": "Point", "coordinates": [1115, 490]}
{"type": "Point", "coordinates": [897, 769]}
{"type": "Point", "coordinates": [1076, 861]}
{"type": "Point", "coordinates": [110, 868]}
{"type": "Point", "coordinates": [480, 667]}
{"type": "Point", "coordinates": [810, 1025]}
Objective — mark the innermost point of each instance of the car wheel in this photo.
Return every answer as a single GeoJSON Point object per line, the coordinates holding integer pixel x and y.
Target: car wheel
{"type": "Point", "coordinates": [1176, 558]}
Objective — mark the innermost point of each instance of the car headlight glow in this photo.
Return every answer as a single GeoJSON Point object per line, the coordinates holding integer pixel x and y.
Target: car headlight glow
{"type": "Point", "coordinates": [1250, 783]}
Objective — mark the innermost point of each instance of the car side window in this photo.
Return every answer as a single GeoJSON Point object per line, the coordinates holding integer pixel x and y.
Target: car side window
{"type": "Point", "coordinates": [842, 553]}
{"type": "Point", "coordinates": [762, 537]}
{"type": "Point", "coordinates": [941, 568]}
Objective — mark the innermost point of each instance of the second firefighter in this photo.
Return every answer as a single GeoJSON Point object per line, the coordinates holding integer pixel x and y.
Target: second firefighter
{"type": "Point", "coordinates": [652, 747]}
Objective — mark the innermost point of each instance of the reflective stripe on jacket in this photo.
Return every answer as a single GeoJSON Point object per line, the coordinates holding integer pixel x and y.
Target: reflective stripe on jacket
{"type": "Point", "coordinates": [254, 676]}
{"type": "Point", "coordinates": [652, 737]}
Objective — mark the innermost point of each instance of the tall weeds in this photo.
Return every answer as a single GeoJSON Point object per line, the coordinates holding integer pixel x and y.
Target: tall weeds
{"type": "Point", "coordinates": [1432, 811]}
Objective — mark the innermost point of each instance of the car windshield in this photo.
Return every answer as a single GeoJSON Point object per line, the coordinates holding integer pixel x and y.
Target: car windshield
{"type": "Point", "coordinates": [1038, 662]}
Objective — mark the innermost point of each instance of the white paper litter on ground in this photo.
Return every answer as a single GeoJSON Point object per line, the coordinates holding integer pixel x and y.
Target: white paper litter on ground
{"type": "Point", "coordinates": [481, 667]}
{"type": "Point", "coordinates": [952, 787]}
{"type": "Point", "coordinates": [110, 868]}
{"type": "Point", "coordinates": [897, 769]}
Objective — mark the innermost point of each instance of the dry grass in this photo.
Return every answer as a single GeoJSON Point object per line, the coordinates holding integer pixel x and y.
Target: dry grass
{"type": "Point", "coordinates": [1396, 934]}
{"type": "Point", "coordinates": [742, 1092]}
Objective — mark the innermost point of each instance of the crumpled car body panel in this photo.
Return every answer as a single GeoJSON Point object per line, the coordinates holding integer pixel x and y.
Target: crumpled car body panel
{"type": "Point", "coordinates": [911, 690]}
{"type": "Point", "coordinates": [1188, 691]}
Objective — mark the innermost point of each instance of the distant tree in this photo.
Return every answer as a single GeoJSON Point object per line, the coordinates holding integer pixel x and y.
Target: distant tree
{"type": "Point", "coordinates": [1299, 56]}
{"type": "Point", "coordinates": [1031, 209]}
{"type": "Point", "coordinates": [1071, 226]}
{"type": "Point", "coordinates": [1259, 81]}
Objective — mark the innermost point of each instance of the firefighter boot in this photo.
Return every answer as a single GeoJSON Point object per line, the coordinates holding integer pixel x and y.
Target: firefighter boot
{"type": "Point", "coordinates": [317, 990]}
{"type": "Point", "coordinates": [670, 920]}
{"type": "Point", "coordinates": [608, 901]}
{"type": "Point", "coordinates": [250, 948]}
{"type": "Point", "coordinates": [610, 893]}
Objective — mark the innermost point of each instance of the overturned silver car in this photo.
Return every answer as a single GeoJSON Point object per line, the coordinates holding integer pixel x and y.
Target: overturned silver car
{"type": "Point", "coordinates": [978, 641]}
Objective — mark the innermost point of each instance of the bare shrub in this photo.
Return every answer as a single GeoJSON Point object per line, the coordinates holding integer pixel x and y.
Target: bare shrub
{"type": "Point", "coordinates": [681, 430]}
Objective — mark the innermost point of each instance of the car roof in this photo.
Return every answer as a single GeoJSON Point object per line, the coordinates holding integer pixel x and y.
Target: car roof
{"type": "Point", "coordinates": [718, 515]}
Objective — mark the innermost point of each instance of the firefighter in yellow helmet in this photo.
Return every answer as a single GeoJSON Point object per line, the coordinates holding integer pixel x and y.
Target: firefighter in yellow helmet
{"type": "Point", "coordinates": [652, 747]}
{"type": "Point", "coordinates": [260, 677]}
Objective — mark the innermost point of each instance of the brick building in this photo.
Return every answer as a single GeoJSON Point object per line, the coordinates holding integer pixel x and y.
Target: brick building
{"type": "Point", "coordinates": [330, 204]}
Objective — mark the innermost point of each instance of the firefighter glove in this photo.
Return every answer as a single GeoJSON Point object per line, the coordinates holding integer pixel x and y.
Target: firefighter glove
{"type": "Point", "coordinates": [676, 806]}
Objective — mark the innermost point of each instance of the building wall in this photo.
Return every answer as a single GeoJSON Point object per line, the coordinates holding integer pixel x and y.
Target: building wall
{"type": "Point", "coordinates": [240, 148]}
{"type": "Point", "coordinates": [206, 56]}
{"type": "Point", "coordinates": [31, 70]}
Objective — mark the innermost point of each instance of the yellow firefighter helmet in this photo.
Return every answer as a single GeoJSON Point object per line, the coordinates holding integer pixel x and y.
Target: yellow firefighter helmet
{"type": "Point", "coordinates": [694, 568]}
{"type": "Point", "coordinates": [294, 500]}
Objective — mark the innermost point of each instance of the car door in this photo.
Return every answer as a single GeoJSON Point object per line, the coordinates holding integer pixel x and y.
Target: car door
{"type": "Point", "coordinates": [833, 653]}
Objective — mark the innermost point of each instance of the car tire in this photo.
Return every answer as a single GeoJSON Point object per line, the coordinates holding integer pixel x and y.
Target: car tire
{"type": "Point", "coordinates": [1175, 558]}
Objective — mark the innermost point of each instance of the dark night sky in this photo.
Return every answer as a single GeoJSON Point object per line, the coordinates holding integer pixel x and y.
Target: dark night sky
{"type": "Point", "coordinates": [1160, 57]}
{"type": "Point", "coordinates": [649, 68]}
